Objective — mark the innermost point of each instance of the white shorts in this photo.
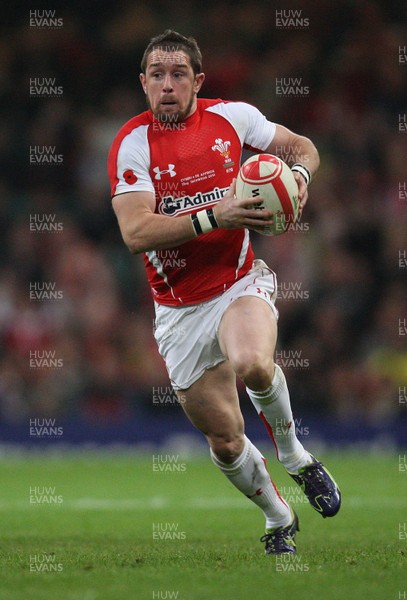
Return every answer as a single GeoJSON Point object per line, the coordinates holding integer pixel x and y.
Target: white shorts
{"type": "Point", "coordinates": [187, 336]}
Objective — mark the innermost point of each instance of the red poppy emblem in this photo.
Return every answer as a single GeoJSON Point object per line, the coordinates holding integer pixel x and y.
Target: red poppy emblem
{"type": "Point", "coordinates": [130, 177]}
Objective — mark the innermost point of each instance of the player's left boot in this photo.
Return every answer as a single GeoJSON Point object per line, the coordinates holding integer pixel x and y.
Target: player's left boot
{"type": "Point", "coordinates": [281, 540]}
{"type": "Point", "coordinates": [320, 488]}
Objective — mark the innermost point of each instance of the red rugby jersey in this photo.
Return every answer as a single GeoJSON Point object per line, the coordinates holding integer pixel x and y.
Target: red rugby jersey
{"type": "Point", "coordinates": [189, 166]}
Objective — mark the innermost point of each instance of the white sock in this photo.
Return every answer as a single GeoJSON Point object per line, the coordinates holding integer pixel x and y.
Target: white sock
{"type": "Point", "coordinates": [249, 474]}
{"type": "Point", "coordinates": [273, 406]}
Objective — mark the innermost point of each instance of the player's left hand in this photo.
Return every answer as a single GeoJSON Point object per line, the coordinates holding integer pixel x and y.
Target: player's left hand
{"type": "Point", "coordinates": [302, 191]}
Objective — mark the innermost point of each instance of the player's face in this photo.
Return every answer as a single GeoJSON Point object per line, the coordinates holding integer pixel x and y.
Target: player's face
{"type": "Point", "coordinates": [170, 85]}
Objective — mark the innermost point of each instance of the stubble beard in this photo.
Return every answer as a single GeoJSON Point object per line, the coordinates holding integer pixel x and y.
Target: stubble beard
{"type": "Point", "coordinates": [176, 117]}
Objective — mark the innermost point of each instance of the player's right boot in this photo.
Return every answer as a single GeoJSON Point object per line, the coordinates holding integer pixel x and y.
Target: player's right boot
{"type": "Point", "coordinates": [281, 540]}
{"type": "Point", "coordinates": [320, 488]}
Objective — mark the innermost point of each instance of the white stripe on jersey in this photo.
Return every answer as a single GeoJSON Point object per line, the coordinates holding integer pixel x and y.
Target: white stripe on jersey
{"type": "Point", "coordinates": [157, 264]}
{"type": "Point", "coordinates": [243, 251]}
{"type": "Point", "coordinates": [134, 154]}
{"type": "Point", "coordinates": [250, 124]}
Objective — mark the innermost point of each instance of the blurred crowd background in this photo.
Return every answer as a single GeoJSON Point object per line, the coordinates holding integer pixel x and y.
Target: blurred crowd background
{"type": "Point", "coordinates": [342, 275]}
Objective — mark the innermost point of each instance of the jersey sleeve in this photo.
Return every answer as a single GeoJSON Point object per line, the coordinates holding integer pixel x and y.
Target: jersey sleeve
{"type": "Point", "coordinates": [254, 130]}
{"type": "Point", "coordinates": [260, 131]}
{"type": "Point", "coordinates": [129, 163]}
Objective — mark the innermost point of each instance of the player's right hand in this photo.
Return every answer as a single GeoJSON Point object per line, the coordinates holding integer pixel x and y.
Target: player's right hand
{"type": "Point", "coordinates": [234, 213]}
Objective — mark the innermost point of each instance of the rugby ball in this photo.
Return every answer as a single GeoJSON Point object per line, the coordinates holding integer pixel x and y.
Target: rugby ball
{"type": "Point", "coordinates": [268, 177]}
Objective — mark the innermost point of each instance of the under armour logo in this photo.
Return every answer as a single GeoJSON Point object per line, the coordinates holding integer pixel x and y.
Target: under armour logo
{"type": "Point", "coordinates": [170, 171]}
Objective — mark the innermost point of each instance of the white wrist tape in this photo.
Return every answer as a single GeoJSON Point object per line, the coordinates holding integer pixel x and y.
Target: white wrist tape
{"type": "Point", "coordinates": [204, 221]}
{"type": "Point", "coordinates": [303, 171]}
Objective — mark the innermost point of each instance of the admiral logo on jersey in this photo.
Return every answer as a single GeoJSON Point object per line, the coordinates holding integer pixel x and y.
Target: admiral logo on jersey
{"type": "Point", "coordinates": [170, 205]}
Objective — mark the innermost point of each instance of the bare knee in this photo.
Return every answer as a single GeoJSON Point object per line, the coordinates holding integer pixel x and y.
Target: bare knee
{"type": "Point", "coordinates": [227, 448]}
{"type": "Point", "coordinates": [255, 370]}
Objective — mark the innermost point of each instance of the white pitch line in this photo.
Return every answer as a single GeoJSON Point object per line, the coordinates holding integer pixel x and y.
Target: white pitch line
{"type": "Point", "coordinates": [196, 503]}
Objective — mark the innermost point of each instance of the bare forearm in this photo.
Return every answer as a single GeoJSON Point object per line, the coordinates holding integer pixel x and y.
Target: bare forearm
{"type": "Point", "coordinates": [294, 148]}
{"type": "Point", "coordinates": [157, 232]}
{"type": "Point", "coordinates": [306, 154]}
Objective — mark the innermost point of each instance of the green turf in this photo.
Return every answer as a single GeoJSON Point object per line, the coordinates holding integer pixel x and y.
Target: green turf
{"type": "Point", "coordinates": [101, 536]}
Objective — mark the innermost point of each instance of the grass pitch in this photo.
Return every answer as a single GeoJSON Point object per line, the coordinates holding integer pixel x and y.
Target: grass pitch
{"type": "Point", "coordinates": [113, 527]}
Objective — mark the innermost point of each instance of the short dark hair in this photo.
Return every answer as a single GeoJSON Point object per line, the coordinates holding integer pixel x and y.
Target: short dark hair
{"type": "Point", "coordinates": [172, 41]}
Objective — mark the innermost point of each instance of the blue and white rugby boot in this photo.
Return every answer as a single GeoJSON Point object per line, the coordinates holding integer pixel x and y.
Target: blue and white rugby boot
{"type": "Point", "coordinates": [281, 540]}
{"type": "Point", "coordinates": [320, 488]}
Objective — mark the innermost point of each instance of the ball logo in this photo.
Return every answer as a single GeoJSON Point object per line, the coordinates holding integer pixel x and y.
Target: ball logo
{"type": "Point", "coordinates": [129, 177]}
{"type": "Point", "coordinates": [263, 170]}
